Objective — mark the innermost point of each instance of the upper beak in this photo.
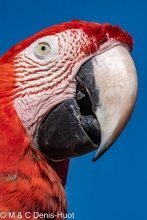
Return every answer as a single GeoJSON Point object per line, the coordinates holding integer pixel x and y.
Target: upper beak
{"type": "Point", "coordinates": [106, 95]}
{"type": "Point", "coordinates": [116, 78]}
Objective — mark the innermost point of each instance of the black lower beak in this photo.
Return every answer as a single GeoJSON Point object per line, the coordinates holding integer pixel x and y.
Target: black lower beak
{"type": "Point", "coordinates": [71, 128]}
{"type": "Point", "coordinates": [106, 96]}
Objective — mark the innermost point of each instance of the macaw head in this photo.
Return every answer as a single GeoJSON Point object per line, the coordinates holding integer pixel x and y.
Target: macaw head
{"type": "Point", "coordinates": [73, 87]}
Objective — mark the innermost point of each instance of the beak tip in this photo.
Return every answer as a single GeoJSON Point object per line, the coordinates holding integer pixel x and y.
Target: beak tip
{"type": "Point", "coordinates": [97, 155]}
{"type": "Point", "coordinates": [94, 159]}
{"type": "Point", "coordinates": [101, 150]}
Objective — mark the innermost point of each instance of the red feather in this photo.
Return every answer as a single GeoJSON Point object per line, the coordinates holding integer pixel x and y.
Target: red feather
{"type": "Point", "coordinates": [29, 183]}
{"type": "Point", "coordinates": [93, 30]}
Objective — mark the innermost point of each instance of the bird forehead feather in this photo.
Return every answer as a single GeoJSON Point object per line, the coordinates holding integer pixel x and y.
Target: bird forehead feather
{"type": "Point", "coordinates": [99, 31]}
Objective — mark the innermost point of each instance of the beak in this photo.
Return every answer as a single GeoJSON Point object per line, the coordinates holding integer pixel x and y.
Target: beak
{"type": "Point", "coordinates": [106, 96]}
{"type": "Point", "coordinates": [116, 78]}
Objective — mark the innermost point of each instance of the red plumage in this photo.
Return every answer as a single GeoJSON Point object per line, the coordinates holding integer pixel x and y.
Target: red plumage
{"type": "Point", "coordinates": [98, 31]}
{"type": "Point", "coordinates": [28, 182]}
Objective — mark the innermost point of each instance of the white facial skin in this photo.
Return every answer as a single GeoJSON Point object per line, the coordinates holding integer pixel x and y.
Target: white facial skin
{"type": "Point", "coordinates": [45, 74]}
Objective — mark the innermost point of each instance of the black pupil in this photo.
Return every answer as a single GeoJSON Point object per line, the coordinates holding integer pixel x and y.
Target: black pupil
{"type": "Point", "coordinates": [43, 48]}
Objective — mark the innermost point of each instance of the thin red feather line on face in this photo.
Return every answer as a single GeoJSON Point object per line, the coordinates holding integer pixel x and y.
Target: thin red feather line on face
{"type": "Point", "coordinates": [70, 66]}
{"type": "Point", "coordinates": [47, 69]}
{"type": "Point", "coordinates": [93, 30]}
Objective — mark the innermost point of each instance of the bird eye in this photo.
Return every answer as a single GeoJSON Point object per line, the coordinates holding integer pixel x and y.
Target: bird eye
{"type": "Point", "coordinates": [43, 48]}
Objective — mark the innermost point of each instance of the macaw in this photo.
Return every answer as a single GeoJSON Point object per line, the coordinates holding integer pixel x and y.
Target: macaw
{"type": "Point", "coordinates": [68, 90]}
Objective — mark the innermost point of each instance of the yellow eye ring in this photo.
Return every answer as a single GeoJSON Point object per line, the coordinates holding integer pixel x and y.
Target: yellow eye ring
{"type": "Point", "coordinates": [43, 48]}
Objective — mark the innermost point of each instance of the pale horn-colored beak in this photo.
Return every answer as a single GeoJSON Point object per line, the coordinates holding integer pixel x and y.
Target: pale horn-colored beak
{"type": "Point", "coordinates": [116, 79]}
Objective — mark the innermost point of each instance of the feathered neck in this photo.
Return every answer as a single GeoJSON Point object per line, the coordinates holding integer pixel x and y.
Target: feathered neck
{"type": "Point", "coordinates": [28, 183]}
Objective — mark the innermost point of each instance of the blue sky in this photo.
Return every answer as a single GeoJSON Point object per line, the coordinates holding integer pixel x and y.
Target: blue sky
{"type": "Point", "coordinates": [114, 187]}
